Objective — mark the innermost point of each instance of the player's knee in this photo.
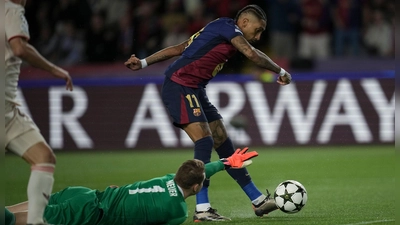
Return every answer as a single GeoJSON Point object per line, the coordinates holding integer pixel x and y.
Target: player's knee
{"type": "Point", "coordinates": [40, 153]}
{"type": "Point", "coordinates": [219, 133]}
{"type": "Point", "coordinates": [48, 157]}
{"type": "Point", "coordinates": [205, 143]}
{"type": "Point", "coordinates": [219, 141]}
{"type": "Point", "coordinates": [52, 158]}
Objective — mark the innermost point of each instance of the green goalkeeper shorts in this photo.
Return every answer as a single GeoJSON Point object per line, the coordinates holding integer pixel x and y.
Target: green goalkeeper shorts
{"type": "Point", "coordinates": [73, 206]}
{"type": "Point", "coordinates": [9, 217]}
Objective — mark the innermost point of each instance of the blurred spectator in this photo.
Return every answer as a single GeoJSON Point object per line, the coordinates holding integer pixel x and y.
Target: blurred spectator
{"type": "Point", "coordinates": [101, 41]}
{"type": "Point", "coordinates": [42, 41]}
{"type": "Point", "coordinates": [176, 31]}
{"type": "Point", "coordinates": [378, 36]}
{"type": "Point", "coordinates": [314, 39]}
{"type": "Point", "coordinates": [125, 37]}
{"type": "Point", "coordinates": [114, 9]}
{"type": "Point", "coordinates": [120, 28]}
{"type": "Point", "coordinates": [283, 16]}
{"type": "Point", "coordinates": [148, 31]}
{"type": "Point", "coordinates": [65, 47]}
{"type": "Point", "coordinates": [40, 16]}
{"type": "Point", "coordinates": [225, 8]}
{"type": "Point", "coordinates": [77, 11]}
{"type": "Point", "coordinates": [347, 21]}
{"type": "Point", "coordinates": [174, 24]}
{"type": "Point", "coordinates": [192, 6]}
{"type": "Point", "coordinates": [385, 6]}
{"type": "Point", "coordinates": [198, 19]}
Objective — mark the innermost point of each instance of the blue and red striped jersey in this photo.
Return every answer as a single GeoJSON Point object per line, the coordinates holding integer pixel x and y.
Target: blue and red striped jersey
{"type": "Point", "coordinates": [205, 55]}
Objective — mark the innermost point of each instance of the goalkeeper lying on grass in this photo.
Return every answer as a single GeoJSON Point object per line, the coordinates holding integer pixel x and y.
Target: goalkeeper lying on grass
{"type": "Point", "coordinates": [157, 201]}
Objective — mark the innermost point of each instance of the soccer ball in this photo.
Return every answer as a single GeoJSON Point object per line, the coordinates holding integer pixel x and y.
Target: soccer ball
{"type": "Point", "coordinates": [290, 196]}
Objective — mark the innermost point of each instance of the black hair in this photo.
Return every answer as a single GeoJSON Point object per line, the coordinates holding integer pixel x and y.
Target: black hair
{"type": "Point", "coordinates": [255, 9]}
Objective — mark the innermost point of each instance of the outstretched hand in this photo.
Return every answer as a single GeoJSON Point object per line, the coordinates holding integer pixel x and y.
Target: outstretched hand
{"type": "Point", "coordinates": [240, 159]}
{"type": "Point", "coordinates": [133, 63]}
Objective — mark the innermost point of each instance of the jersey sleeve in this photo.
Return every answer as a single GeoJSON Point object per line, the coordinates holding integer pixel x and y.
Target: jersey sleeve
{"type": "Point", "coordinates": [16, 24]}
{"type": "Point", "coordinates": [213, 167]}
{"type": "Point", "coordinates": [229, 30]}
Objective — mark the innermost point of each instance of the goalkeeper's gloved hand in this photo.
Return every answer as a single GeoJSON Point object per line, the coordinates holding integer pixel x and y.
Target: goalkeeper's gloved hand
{"type": "Point", "coordinates": [240, 159]}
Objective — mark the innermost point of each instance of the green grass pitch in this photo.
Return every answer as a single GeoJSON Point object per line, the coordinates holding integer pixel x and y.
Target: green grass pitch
{"type": "Point", "coordinates": [350, 185]}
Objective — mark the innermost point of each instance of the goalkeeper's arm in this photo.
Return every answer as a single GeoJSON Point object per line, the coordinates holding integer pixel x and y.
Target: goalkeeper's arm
{"type": "Point", "coordinates": [240, 159]}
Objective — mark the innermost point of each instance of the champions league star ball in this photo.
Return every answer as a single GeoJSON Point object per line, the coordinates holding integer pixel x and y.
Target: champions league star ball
{"type": "Point", "coordinates": [290, 196]}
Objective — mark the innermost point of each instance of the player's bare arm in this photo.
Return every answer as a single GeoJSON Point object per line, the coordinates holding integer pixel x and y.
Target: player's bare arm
{"type": "Point", "coordinates": [28, 53]}
{"type": "Point", "coordinates": [260, 59]}
{"type": "Point", "coordinates": [135, 63]}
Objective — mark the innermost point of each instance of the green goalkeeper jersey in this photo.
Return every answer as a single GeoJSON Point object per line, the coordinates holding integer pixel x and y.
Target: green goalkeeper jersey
{"type": "Point", "coordinates": [155, 201]}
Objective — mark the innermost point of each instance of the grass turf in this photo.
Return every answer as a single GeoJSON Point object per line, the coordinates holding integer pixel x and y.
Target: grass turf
{"type": "Point", "coordinates": [345, 184]}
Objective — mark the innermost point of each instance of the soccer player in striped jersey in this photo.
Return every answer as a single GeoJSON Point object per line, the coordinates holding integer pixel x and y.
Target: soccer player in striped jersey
{"type": "Point", "coordinates": [157, 201]}
{"type": "Point", "coordinates": [201, 57]}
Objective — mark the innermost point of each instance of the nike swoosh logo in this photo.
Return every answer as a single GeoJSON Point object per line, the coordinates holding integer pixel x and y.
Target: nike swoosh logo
{"type": "Point", "coordinates": [46, 196]}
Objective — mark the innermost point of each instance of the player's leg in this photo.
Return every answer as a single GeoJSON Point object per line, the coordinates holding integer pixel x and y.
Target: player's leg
{"type": "Point", "coordinates": [200, 134]}
{"type": "Point", "coordinates": [262, 204]}
{"type": "Point", "coordinates": [21, 217]}
{"type": "Point", "coordinates": [23, 206]}
{"type": "Point", "coordinates": [186, 112]}
{"type": "Point", "coordinates": [225, 148]}
{"type": "Point", "coordinates": [40, 184]}
{"type": "Point", "coordinates": [24, 139]}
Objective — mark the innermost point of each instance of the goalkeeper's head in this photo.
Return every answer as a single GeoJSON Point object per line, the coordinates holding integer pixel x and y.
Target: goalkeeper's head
{"type": "Point", "coordinates": [190, 177]}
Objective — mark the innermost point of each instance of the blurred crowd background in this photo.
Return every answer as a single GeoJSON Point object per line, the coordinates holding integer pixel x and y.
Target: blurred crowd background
{"type": "Point", "coordinates": [74, 32]}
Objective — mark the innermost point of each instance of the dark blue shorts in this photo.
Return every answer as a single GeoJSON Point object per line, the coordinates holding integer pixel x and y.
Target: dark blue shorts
{"type": "Point", "coordinates": [187, 105]}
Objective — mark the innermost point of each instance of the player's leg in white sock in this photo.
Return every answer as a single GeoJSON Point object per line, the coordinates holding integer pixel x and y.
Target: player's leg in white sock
{"type": "Point", "coordinates": [40, 185]}
{"type": "Point", "coordinates": [39, 190]}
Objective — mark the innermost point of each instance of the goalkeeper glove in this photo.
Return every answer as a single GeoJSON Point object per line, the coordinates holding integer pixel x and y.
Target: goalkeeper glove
{"type": "Point", "coordinates": [240, 159]}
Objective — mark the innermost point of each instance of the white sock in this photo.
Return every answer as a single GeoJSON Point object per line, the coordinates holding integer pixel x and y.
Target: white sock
{"type": "Point", "coordinates": [202, 207]}
{"type": "Point", "coordinates": [258, 200]}
{"type": "Point", "coordinates": [40, 186]}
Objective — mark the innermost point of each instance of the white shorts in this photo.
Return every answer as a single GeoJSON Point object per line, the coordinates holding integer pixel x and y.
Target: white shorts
{"type": "Point", "coordinates": [21, 132]}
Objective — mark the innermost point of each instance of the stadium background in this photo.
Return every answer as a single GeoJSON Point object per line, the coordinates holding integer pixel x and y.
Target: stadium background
{"type": "Point", "coordinates": [334, 125]}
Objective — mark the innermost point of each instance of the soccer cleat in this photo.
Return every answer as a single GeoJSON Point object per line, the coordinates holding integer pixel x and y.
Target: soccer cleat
{"type": "Point", "coordinates": [266, 206]}
{"type": "Point", "coordinates": [209, 215]}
